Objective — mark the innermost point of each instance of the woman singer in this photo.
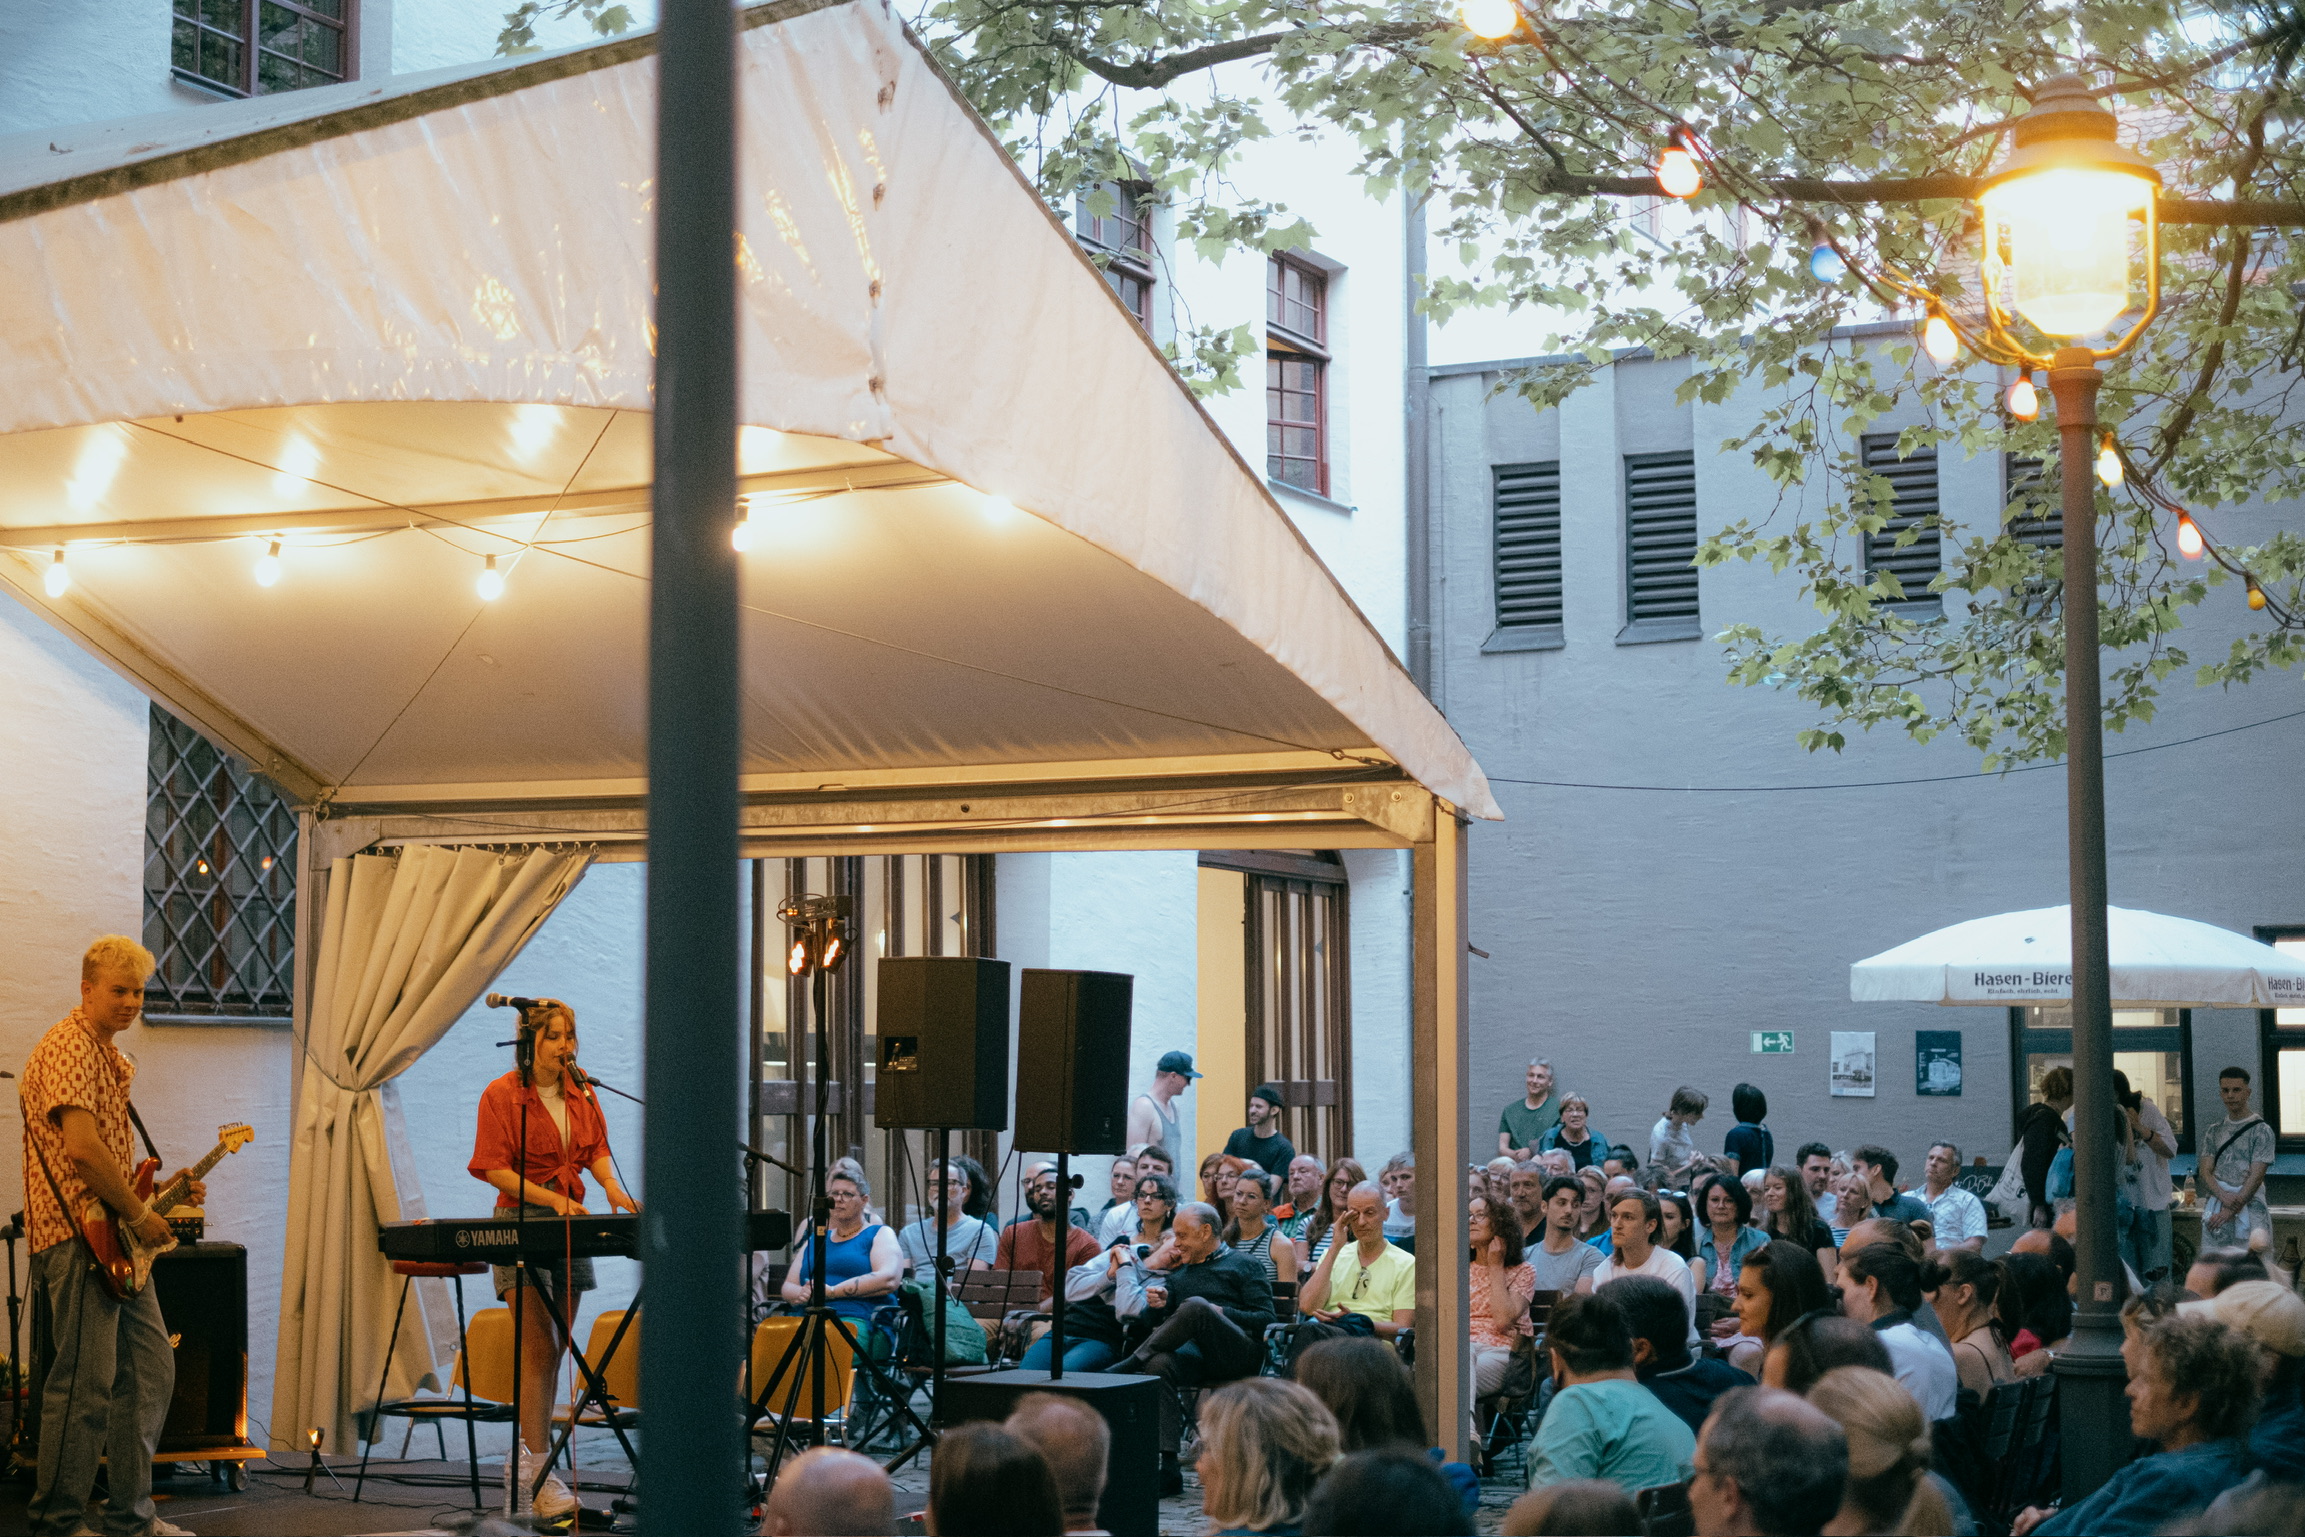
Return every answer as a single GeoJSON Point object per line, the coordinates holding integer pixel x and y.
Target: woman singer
{"type": "Point", "coordinates": [536, 1139]}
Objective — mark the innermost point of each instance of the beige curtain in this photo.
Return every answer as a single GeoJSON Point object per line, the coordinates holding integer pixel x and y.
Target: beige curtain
{"type": "Point", "coordinates": [409, 942]}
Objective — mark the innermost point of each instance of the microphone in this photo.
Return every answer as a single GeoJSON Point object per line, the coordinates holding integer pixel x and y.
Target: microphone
{"type": "Point", "coordinates": [500, 1001]}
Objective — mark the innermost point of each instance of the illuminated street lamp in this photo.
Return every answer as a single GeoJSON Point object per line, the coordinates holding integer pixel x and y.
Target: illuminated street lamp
{"type": "Point", "coordinates": [2062, 219]}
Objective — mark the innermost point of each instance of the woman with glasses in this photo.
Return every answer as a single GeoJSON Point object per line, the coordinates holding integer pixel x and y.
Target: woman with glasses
{"type": "Point", "coordinates": [863, 1263]}
{"type": "Point", "coordinates": [1156, 1208]}
{"type": "Point", "coordinates": [1335, 1192]}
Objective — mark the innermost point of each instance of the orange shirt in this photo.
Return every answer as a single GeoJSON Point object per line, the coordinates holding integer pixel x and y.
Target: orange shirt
{"type": "Point", "coordinates": [71, 1069]}
{"type": "Point", "coordinates": [551, 1162]}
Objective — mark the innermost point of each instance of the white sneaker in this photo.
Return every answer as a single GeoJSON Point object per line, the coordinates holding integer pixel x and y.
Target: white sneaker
{"type": "Point", "coordinates": [164, 1528]}
{"type": "Point", "coordinates": [553, 1499]}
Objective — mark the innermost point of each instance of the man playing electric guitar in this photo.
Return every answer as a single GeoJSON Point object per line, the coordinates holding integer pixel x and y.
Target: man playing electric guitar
{"type": "Point", "coordinates": [107, 1393]}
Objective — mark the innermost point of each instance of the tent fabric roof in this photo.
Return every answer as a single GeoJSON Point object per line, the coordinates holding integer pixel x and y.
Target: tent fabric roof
{"type": "Point", "coordinates": [406, 326]}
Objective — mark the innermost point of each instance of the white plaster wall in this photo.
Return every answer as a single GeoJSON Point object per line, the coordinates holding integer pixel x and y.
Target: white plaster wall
{"type": "Point", "coordinates": [1380, 1023]}
{"type": "Point", "coordinates": [432, 34]}
{"type": "Point", "coordinates": [64, 62]}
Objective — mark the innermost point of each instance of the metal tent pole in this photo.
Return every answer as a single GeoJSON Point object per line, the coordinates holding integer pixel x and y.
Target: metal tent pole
{"type": "Point", "coordinates": [692, 1463]}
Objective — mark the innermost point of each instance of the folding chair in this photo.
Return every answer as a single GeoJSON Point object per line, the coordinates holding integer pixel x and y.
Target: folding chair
{"type": "Point", "coordinates": [1665, 1512]}
{"type": "Point", "coordinates": [769, 1344]}
{"type": "Point", "coordinates": [620, 1374]}
{"type": "Point", "coordinates": [484, 1405]}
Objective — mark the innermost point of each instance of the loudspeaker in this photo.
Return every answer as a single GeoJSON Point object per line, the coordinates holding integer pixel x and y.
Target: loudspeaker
{"type": "Point", "coordinates": [1072, 1030]}
{"type": "Point", "coordinates": [202, 1289]}
{"type": "Point", "coordinates": [1131, 1408]}
{"type": "Point", "coordinates": [943, 1043]}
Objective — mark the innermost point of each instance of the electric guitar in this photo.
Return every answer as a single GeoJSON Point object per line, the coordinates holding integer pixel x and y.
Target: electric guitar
{"type": "Point", "coordinates": [123, 1260]}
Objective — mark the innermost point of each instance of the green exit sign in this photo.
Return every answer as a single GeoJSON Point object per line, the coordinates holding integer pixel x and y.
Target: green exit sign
{"type": "Point", "coordinates": [1773, 1043]}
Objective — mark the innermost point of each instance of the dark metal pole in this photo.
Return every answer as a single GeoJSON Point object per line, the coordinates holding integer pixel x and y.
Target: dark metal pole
{"type": "Point", "coordinates": [2090, 1375]}
{"type": "Point", "coordinates": [943, 1287]}
{"type": "Point", "coordinates": [1061, 1239]}
{"type": "Point", "coordinates": [692, 1463]}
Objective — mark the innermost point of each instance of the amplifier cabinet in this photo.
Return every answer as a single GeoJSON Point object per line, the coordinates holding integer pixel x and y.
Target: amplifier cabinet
{"type": "Point", "coordinates": [1131, 1408]}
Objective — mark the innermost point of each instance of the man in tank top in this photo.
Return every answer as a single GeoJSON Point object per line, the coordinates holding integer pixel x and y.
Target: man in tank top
{"type": "Point", "coordinates": [1152, 1119]}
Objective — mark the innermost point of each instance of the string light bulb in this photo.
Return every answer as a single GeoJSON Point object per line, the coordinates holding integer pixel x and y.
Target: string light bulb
{"type": "Point", "coordinates": [267, 570]}
{"type": "Point", "coordinates": [1678, 173]}
{"type": "Point", "coordinates": [741, 535]}
{"type": "Point", "coordinates": [2190, 544]}
{"type": "Point", "coordinates": [1827, 265]}
{"type": "Point", "coordinates": [2109, 463]}
{"type": "Point", "coordinates": [58, 581]}
{"type": "Point", "coordinates": [490, 586]}
{"type": "Point", "coordinates": [2024, 400]}
{"type": "Point", "coordinates": [1492, 19]}
{"type": "Point", "coordinates": [999, 511]}
{"type": "Point", "coordinates": [1939, 339]}
{"type": "Point", "coordinates": [2256, 593]}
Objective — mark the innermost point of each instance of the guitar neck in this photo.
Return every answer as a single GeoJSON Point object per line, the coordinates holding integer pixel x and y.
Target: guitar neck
{"type": "Point", "coordinates": [171, 1195]}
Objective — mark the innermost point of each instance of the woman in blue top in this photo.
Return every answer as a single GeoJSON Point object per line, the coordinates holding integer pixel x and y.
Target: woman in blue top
{"type": "Point", "coordinates": [862, 1264]}
{"type": "Point", "coordinates": [1749, 1141]}
{"type": "Point", "coordinates": [1574, 1135]}
{"type": "Point", "coordinates": [1725, 1234]}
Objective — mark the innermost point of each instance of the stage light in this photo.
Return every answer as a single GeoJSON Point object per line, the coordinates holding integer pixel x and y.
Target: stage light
{"type": "Point", "coordinates": [1939, 339]}
{"type": "Point", "coordinates": [741, 535]}
{"type": "Point", "coordinates": [796, 959]}
{"type": "Point", "coordinates": [2256, 593]}
{"type": "Point", "coordinates": [833, 952]}
{"type": "Point", "coordinates": [2190, 544]}
{"type": "Point", "coordinates": [267, 569]}
{"type": "Point", "coordinates": [2024, 400]}
{"type": "Point", "coordinates": [1826, 265]}
{"type": "Point", "coordinates": [1492, 19]}
{"type": "Point", "coordinates": [490, 586]}
{"type": "Point", "coordinates": [2109, 463]}
{"type": "Point", "coordinates": [59, 577]}
{"type": "Point", "coordinates": [1678, 174]}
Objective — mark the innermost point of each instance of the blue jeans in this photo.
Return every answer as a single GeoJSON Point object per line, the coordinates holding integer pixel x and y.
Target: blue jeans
{"type": "Point", "coordinates": [106, 1397]}
{"type": "Point", "coordinates": [1079, 1355]}
{"type": "Point", "coordinates": [2146, 1243]}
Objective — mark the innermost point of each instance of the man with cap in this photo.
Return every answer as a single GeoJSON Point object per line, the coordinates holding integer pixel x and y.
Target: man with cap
{"type": "Point", "coordinates": [2273, 1316]}
{"type": "Point", "coordinates": [1261, 1141]}
{"type": "Point", "coordinates": [1152, 1119]}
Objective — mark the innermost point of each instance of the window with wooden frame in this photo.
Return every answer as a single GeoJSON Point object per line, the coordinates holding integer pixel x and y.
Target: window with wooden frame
{"type": "Point", "coordinates": [1120, 238]}
{"type": "Point", "coordinates": [257, 47]}
{"type": "Point", "coordinates": [2281, 1085]}
{"type": "Point", "coordinates": [219, 883]}
{"type": "Point", "coordinates": [1296, 375]}
{"type": "Point", "coordinates": [1299, 994]}
{"type": "Point", "coordinates": [2153, 1047]}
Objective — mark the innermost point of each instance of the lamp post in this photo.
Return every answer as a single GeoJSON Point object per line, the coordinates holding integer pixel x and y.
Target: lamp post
{"type": "Point", "coordinates": [2057, 228]}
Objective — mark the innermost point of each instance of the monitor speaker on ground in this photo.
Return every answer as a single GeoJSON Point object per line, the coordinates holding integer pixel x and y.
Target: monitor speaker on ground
{"type": "Point", "coordinates": [203, 1293]}
{"type": "Point", "coordinates": [1072, 1042]}
{"type": "Point", "coordinates": [1130, 1406]}
{"type": "Point", "coordinates": [942, 1032]}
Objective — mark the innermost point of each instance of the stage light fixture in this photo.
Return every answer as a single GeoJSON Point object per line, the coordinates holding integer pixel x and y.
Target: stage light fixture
{"type": "Point", "coordinates": [833, 950]}
{"type": "Point", "coordinates": [267, 569]}
{"type": "Point", "coordinates": [796, 959]}
{"type": "Point", "coordinates": [2024, 400]}
{"type": "Point", "coordinates": [490, 586]}
{"type": "Point", "coordinates": [59, 578]}
{"type": "Point", "coordinates": [2190, 544]}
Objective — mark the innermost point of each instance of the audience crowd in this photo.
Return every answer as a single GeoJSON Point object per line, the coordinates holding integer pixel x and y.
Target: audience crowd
{"type": "Point", "coordinates": [1785, 1345]}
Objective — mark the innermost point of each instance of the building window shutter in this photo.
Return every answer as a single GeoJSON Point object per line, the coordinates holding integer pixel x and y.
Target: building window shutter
{"type": "Point", "coordinates": [1528, 545]}
{"type": "Point", "coordinates": [1913, 499]}
{"type": "Point", "coordinates": [1661, 543]}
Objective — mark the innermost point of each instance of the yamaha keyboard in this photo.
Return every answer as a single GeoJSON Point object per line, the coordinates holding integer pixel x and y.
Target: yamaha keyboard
{"type": "Point", "coordinates": [456, 1240]}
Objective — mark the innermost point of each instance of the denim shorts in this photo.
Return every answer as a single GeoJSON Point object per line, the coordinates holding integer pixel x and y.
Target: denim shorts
{"type": "Point", "coordinates": [557, 1279]}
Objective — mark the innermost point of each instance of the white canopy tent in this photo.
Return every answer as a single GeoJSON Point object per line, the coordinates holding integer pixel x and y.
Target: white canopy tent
{"type": "Point", "coordinates": [2027, 958]}
{"type": "Point", "coordinates": [1008, 588]}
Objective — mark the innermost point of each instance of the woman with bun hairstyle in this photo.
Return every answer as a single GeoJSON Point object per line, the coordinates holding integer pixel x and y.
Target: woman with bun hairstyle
{"type": "Point", "coordinates": [1963, 1287]}
{"type": "Point", "coordinates": [1889, 1488]}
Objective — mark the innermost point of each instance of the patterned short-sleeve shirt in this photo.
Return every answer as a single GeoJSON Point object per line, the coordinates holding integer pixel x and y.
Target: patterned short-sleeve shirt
{"type": "Point", "coordinates": [71, 1068]}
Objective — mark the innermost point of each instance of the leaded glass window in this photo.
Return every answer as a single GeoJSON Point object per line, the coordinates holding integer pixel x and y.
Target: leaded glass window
{"type": "Point", "coordinates": [219, 882]}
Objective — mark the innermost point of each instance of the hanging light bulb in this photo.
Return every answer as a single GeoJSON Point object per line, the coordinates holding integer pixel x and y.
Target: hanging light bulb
{"type": "Point", "coordinates": [490, 586]}
{"type": "Point", "coordinates": [2256, 593]}
{"type": "Point", "coordinates": [2024, 400]}
{"type": "Point", "coordinates": [999, 511]}
{"type": "Point", "coordinates": [1939, 339]}
{"type": "Point", "coordinates": [2109, 463]}
{"type": "Point", "coordinates": [1678, 174]}
{"type": "Point", "coordinates": [267, 569]}
{"type": "Point", "coordinates": [741, 535]}
{"type": "Point", "coordinates": [59, 577]}
{"type": "Point", "coordinates": [1492, 19]}
{"type": "Point", "coordinates": [2190, 544]}
{"type": "Point", "coordinates": [1827, 265]}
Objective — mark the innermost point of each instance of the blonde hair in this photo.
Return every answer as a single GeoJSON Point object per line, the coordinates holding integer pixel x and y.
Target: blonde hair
{"type": "Point", "coordinates": [1265, 1441]}
{"type": "Point", "coordinates": [117, 952]}
{"type": "Point", "coordinates": [1889, 1443]}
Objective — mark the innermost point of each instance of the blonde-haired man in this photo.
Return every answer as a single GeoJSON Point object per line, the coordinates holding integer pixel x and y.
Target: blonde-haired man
{"type": "Point", "coordinates": [107, 1393]}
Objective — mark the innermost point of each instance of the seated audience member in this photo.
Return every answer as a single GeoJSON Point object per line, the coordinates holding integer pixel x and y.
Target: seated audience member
{"type": "Point", "coordinates": [1398, 1181]}
{"type": "Point", "coordinates": [2213, 1270]}
{"type": "Point", "coordinates": [1217, 1185]}
{"type": "Point", "coordinates": [1077, 1444]}
{"type": "Point", "coordinates": [1816, 1343]}
{"type": "Point", "coordinates": [1525, 1192]}
{"type": "Point", "coordinates": [828, 1492]}
{"type": "Point", "coordinates": [1575, 1136]}
{"type": "Point", "coordinates": [1768, 1464]}
{"type": "Point", "coordinates": [1617, 1185]}
{"type": "Point", "coordinates": [1602, 1423]}
{"type": "Point", "coordinates": [1363, 1284]}
{"type": "Point", "coordinates": [1881, 1286]}
{"type": "Point", "coordinates": [1633, 1224]}
{"type": "Point", "coordinates": [1304, 1197]}
{"type": "Point", "coordinates": [1956, 1218]}
{"type": "Point", "coordinates": [1788, 1213]}
{"type": "Point", "coordinates": [2196, 1395]}
{"type": "Point", "coordinates": [1676, 1223]}
{"type": "Point", "coordinates": [1265, 1442]}
{"type": "Point", "coordinates": [1580, 1507]}
{"type": "Point", "coordinates": [1156, 1209]}
{"type": "Point", "coordinates": [1120, 1220]}
{"type": "Point", "coordinates": [1560, 1259]}
{"type": "Point", "coordinates": [985, 1482]}
{"type": "Point", "coordinates": [1725, 1233]}
{"type": "Point", "coordinates": [969, 1243]}
{"type": "Point", "coordinates": [1673, 1140]}
{"type": "Point", "coordinates": [1777, 1283]}
{"type": "Point", "coordinates": [1387, 1492]}
{"type": "Point", "coordinates": [1344, 1176]}
{"type": "Point", "coordinates": [1750, 1146]}
{"type": "Point", "coordinates": [1910, 1237]}
{"type": "Point", "coordinates": [2035, 1310]}
{"type": "Point", "coordinates": [1890, 1488]}
{"type": "Point", "coordinates": [1851, 1200]}
{"type": "Point", "coordinates": [1877, 1167]}
{"type": "Point", "coordinates": [1963, 1287]}
{"type": "Point", "coordinates": [1593, 1210]}
{"type": "Point", "coordinates": [1033, 1242]}
{"type": "Point", "coordinates": [1814, 1161]}
{"type": "Point", "coordinates": [1094, 1335]}
{"type": "Point", "coordinates": [1367, 1388]}
{"type": "Point", "coordinates": [1252, 1232]}
{"type": "Point", "coordinates": [1208, 1307]}
{"type": "Point", "coordinates": [1683, 1382]}
{"type": "Point", "coordinates": [1621, 1164]}
{"type": "Point", "coordinates": [1123, 1196]}
{"type": "Point", "coordinates": [1502, 1284]}
{"type": "Point", "coordinates": [1557, 1164]}
{"type": "Point", "coordinates": [2273, 1317]}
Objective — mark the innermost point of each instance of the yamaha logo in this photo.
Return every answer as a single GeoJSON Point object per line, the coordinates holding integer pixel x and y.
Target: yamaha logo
{"type": "Point", "coordinates": [463, 1239]}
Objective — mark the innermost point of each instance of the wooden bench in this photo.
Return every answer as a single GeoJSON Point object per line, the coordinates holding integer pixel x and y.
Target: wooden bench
{"type": "Point", "coordinates": [996, 1299]}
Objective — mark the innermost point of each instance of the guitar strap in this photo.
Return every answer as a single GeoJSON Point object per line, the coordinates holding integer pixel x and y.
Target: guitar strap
{"type": "Point", "coordinates": [138, 1121]}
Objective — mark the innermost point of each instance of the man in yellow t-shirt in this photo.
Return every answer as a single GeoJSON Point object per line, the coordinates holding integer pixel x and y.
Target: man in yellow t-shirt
{"type": "Point", "coordinates": [1360, 1274]}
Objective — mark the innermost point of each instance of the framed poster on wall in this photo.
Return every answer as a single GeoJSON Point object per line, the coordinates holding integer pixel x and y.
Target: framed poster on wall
{"type": "Point", "coordinates": [1937, 1063]}
{"type": "Point", "coordinates": [1852, 1064]}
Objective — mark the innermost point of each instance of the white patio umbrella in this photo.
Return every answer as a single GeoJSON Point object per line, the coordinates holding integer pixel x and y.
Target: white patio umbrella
{"type": "Point", "coordinates": [2027, 957]}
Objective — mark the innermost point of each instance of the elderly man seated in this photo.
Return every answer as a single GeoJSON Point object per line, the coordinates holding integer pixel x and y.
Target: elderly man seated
{"type": "Point", "coordinates": [1363, 1285]}
{"type": "Point", "coordinates": [1208, 1308]}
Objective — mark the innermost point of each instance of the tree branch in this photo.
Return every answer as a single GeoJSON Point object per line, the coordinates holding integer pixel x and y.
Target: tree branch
{"type": "Point", "coordinates": [1152, 74]}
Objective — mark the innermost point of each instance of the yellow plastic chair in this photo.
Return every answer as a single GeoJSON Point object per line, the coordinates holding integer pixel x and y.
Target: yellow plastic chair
{"type": "Point", "coordinates": [769, 1343]}
{"type": "Point", "coordinates": [621, 1375]}
{"type": "Point", "coordinates": [487, 1358]}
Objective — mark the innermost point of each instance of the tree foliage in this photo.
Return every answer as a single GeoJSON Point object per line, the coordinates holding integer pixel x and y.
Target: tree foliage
{"type": "Point", "coordinates": [1858, 122]}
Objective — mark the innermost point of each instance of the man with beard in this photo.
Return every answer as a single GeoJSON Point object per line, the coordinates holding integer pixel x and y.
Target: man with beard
{"type": "Point", "coordinates": [1525, 1190]}
{"type": "Point", "coordinates": [1032, 1243]}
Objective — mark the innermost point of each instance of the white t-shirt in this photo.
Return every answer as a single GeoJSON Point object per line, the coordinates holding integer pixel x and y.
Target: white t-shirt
{"type": "Point", "coordinates": [1671, 1146]}
{"type": "Point", "coordinates": [1665, 1265]}
{"type": "Point", "coordinates": [1925, 1368]}
{"type": "Point", "coordinates": [556, 1106]}
{"type": "Point", "coordinates": [1396, 1225]}
{"type": "Point", "coordinates": [2153, 1187]}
